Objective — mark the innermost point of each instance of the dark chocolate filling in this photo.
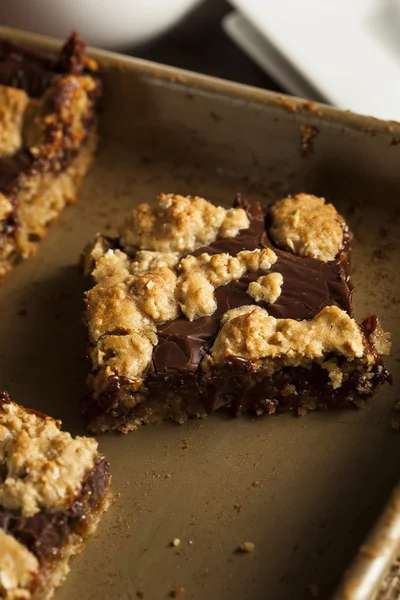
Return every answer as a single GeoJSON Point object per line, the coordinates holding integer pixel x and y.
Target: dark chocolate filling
{"type": "Point", "coordinates": [47, 532]}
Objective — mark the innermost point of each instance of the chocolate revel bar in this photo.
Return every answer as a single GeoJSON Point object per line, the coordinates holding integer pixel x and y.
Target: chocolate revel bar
{"type": "Point", "coordinates": [196, 307]}
{"type": "Point", "coordinates": [47, 140]}
{"type": "Point", "coordinates": [53, 489]}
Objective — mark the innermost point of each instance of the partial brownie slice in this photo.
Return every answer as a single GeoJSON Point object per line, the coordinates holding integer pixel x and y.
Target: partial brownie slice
{"type": "Point", "coordinates": [53, 490]}
{"type": "Point", "coordinates": [196, 307]}
{"type": "Point", "coordinates": [47, 140]}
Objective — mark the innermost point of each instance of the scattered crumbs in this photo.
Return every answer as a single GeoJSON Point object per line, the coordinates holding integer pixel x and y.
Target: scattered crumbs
{"type": "Point", "coordinates": [177, 591]}
{"type": "Point", "coordinates": [140, 593]}
{"type": "Point", "coordinates": [395, 141]}
{"type": "Point", "coordinates": [247, 547]}
{"type": "Point", "coordinates": [238, 507]}
{"type": "Point", "coordinates": [301, 411]}
{"type": "Point", "coordinates": [312, 107]}
{"type": "Point", "coordinates": [314, 590]}
{"type": "Point", "coordinates": [190, 542]}
{"type": "Point", "coordinates": [167, 476]}
{"type": "Point", "coordinates": [395, 423]}
{"type": "Point", "coordinates": [175, 542]}
{"type": "Point", "coordinates": [256, 484]}
{"type": "Point", "coordinates": [307, 135]}
{"type": "Point", "coordinates": [185, 444]}
{"type": "Point", "coordinates": [288, 104]}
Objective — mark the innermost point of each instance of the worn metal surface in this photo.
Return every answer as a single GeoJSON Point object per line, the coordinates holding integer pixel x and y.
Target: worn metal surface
{"type": "Point", "coordinates": [305, 491]}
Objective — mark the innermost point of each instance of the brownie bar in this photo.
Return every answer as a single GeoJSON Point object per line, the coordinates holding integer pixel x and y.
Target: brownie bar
{"type": "Point", "coordinates": [196, 307]}
{"type": "Point", "coordinates": [53, 489]}
{"type": "Point", "coordinates": [47, 140]}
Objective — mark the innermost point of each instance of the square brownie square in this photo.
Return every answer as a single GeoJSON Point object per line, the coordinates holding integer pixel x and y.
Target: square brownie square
{"type": "Point", "coordinates": [195, 308]}
{"type": "Point", "coordinates": [53, 490]}
{"type": "Point", "coordinates": [47, 139]}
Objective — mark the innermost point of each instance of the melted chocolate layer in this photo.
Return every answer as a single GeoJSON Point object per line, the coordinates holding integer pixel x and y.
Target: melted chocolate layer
{"type": "Point", "coordinates": [47, 532]}
{"type": "Point", "coordinates": [308, 286]}
{"type": "Point", "coordinates": [33, 71]}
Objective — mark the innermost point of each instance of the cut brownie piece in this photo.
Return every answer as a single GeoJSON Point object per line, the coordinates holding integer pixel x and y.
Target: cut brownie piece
{"type": "Point", "coordinates": [47, 140]}
{"type": "Point", "coordinates": [53, 489]}
{"type": "Point", "coordinates": [196, 307]}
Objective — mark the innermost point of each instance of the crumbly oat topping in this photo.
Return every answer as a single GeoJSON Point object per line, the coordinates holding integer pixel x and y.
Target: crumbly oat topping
{"type": "Point", "coordinates": [111, 308]}
{"type": "Point", "coordinates": [146, 260]}
{"type": "Point", "coordinates": [44, 467]}
{"type": "Point", "coordinates": [127, 355]}
{"type": "Point", "coordinates": [200, 276]}
{"type": "Point", "coordinates": [111, 262]}
{"type": "Point", "coordinates": [92, 253]}
{"type": "Point", "coordinates": [380, 339]}
{"type": "Point", "coordinates": [156, 293]}
{"type": "Point", "coordinates": [272, 343]}
{"type": "Point", "coordinates": [44, 115]}
{"type": "Point", "coordinates": [17, 568]}
{"type": "Point", "coordinates": [123, 309]}
{"type": "Point", "coordinates": [267, 288]}
{"type": "Point", "coordinates": [13, 103]}
{"type": "Point", "coordinates": [179, 224]}
{"type": "Point", "coordinates": [5, 207]}
{"type": "Point", "coordinates": [335, 373]}
{"type": "Point", "coordinates": [307, 226]}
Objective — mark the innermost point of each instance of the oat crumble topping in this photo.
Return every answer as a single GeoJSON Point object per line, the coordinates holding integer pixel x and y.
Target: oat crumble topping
{"type": "Point", "coordinates": [17, 567]}
{"type": "Point", "coordinates": [44, 466]}
{"type": "Point", "coordinates": [179, 224]}
{"type": "Point", "coordinates": [307, 226]}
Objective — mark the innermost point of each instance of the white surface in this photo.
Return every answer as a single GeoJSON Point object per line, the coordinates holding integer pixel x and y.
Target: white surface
{"type": "Point", "coordinates": [346, 51]}
{"type": "Point", "coordinates": [250, 40]}
{"type": "Point", "coordinates": [111, 24]}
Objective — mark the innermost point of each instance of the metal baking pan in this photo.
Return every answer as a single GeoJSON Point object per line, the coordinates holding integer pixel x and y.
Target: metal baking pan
{"type": "Point", "coordinates": [306, 491]}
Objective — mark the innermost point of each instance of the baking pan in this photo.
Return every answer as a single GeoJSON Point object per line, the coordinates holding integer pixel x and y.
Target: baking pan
{"type": "Point", "coordinates": [306, 491]}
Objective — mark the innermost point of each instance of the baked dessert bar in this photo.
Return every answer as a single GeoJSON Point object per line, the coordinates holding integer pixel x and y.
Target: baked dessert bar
{"type": "Point", "coordinates": [53, 489]}
{"type": "Point", "coordinates": [196, 307]}
{"type": "Point", "coordinates": [47, 140]}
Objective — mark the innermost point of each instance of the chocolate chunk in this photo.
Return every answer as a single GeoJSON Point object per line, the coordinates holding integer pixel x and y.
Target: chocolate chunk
{"type": "Point", "coordinates": [46, 532]}
{"type": "Point", "coordinates": [181, 344]}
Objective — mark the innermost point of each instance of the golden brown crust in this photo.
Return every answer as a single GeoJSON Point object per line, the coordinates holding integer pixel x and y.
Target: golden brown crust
{"type": "Point", "coordinates": [13, 103]}
{"type": "Point", "coordinates": [179, 224]}
{"type": "Point", "coordinates": [18, 569]}
{"type": "Point", "coordinates": [200, 276]}
{"type": "Point", "coordinates": [270, 343]}
{"type": "Point", "coordinates": [307, 226]}
{"type": "Point", "coordinates": [267, 288]}
{"type": "Point", "coordinates": [44, 467]}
